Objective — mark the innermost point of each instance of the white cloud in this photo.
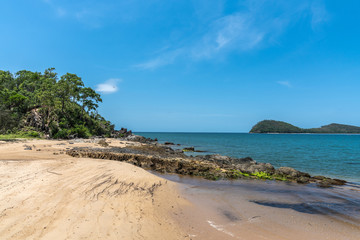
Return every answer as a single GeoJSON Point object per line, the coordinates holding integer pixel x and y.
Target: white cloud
{"type": "Point", "coordinates": [258, 24]}
{"type": "Point", "coordinates": [110, 86]}
{"type": "Point", "coordinates": [285, 83]}
{"type": "Point", "coordinates": [231, 32]}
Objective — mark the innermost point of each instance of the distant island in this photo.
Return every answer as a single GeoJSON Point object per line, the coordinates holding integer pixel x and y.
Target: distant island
{"type": "Point", "coordinates": [272, 126]}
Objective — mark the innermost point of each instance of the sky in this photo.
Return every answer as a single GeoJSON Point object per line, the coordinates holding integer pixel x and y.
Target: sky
{"type": "Point", "coordinates": [196, 65]}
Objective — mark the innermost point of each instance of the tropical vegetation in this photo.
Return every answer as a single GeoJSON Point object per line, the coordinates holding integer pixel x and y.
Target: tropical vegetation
{"type": "Point", "coordinates": [35, 103]}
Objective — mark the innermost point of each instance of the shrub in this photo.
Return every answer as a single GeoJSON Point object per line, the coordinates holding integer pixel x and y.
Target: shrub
{"type": "Point", "coordinates": [81, 131]}
{"type": "Point", "coordinates": [63, 134]}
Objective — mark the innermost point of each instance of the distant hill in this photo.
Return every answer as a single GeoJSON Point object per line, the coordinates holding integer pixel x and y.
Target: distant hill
{"type": "Point", "coordinates": [272, 126]}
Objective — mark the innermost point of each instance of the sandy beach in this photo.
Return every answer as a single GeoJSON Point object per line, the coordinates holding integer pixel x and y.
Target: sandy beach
{"type": "Point", "coordinates": [46, 194]}
{"type": "Point", "coordinates": [49, 195]}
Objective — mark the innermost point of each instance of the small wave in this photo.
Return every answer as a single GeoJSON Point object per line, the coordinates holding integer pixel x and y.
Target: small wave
{"type": "Point", "coordinates": [220, 228]}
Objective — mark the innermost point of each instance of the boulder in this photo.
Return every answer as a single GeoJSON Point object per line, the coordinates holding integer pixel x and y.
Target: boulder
{"type": "Point", "coordinates": [303, 180]}
{"type": "Point", "coordinates": [137, 138]}
{"type": "Point", "coordinates": [287, 172]}
{"type": "Point", "coordinates": [189, 149]}
{"type": "Point", "coordinates": [242, 160]}
{"type": "Point", "coordinates": [328, 182]}
{"type": "Point", "coordinates": [222, 161]}
{"type": "Point", "coordinates": [255, 167]}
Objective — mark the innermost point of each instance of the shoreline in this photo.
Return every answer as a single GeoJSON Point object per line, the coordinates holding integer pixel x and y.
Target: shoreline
{"type": "Point", "coordinates": [151, 155]}
{"type": "Point", "coordinates": [181, 210]}
{"type": "Point", "coordinates": [240, 212]}
{"type": "Point", "coordinates": [305, 153]}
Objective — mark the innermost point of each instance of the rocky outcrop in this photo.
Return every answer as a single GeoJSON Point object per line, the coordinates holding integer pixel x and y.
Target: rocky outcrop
{"type": "Point", "coordinates": [35, 120]}
{"type": "Point", "coordinates": [137, 138]}
{"type": "Point", "coordinates": [122, 133]}
{"type": "Point", "coordinates": [189, 149]}
{"type": "Point", "coordinates": [160, 164]}
{"type": "Point", "coordinates": [164, 159]}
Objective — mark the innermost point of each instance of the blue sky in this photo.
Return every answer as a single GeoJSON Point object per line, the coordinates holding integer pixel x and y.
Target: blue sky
{"type": "Point", "coordinates": [196, 65]}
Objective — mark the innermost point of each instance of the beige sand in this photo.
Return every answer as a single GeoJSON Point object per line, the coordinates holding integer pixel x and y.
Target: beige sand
{"type": "Point", "coordinates": [54, 196]}
{"type": "Point", "coordinates": [45, 194]}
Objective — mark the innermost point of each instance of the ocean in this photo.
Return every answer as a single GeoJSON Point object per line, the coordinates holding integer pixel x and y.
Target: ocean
{"type": "Point", "coordinates": [331, 155]}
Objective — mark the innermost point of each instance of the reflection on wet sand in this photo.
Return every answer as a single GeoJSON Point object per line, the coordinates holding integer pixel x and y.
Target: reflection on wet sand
{"type": "Point", "coordinates": [267, 209]}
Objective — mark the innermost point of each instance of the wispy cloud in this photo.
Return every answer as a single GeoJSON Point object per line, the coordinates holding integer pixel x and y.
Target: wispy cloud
{"type": "Point", "coordinates": [161, 60]}
{"type": "Point", "coordinates": [110, 86]}
{"type": "Point", "coordinates": [319, 14]}
{"type": "Point", "coordinates": [258, 24]}
{"type": "Point", "coordinates": [231, 32]}
{"type": "Point", "coordinates": [90, 14]}
{"type": "Point", "coordinates": [285, 83]}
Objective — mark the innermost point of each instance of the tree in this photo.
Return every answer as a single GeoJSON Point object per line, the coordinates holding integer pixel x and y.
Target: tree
{"type": "Point", "coordinates": [68, 89]}
{"type": "Point", "coordinates": [59, 107]}
{"type": "Point", "coordinates": [89, 99]}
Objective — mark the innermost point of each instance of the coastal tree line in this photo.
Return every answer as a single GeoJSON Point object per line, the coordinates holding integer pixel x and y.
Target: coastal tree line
{"type": "Point", "coordinates": [43, 103]}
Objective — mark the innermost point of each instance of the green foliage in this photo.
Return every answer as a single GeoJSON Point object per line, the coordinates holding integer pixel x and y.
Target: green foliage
{"type": "Point", "coordinates": [27, 135]}
{"type": "Point", "coordinates": [280, 178]}
{"type": "Point", "coordinates": [262, 175]}
{"type": "Point", "coordinates": [235, 174]}
{"type": "Point", "coordinates": [334, 128]}
{"type": "Point", "coordinates": [62, 134]}
{"type": "Point", "coordinates": [81, 131]}
{"type": "Point", "coordinates": [60, 108]}
{"type": "Point", "coordinates": [271, 126]}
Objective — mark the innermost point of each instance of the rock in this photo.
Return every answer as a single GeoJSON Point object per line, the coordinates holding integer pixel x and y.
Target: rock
{"type": "Point", "coordinates": [328, 182]}
{"type": "Point", "coordinates": [262, 167]}
{"type": "Point", "coordinates": [122, 133]}
{"type": "Point", "coordinates": [324, 184]}
{"type": "Point", "coordinates": [318, 177]}
{"type": "Point", "coordinates": [165, 165]}
{"type": "Point", "coordinates": [35, 120]}
{"type": "Point", "coordinates": [27, 147]}
{"type": "Point", "coordinates": [287, 172]}
{"type": "Point", "coordinates": [103, 143]}
{"type": "Point", "coordinates": [178, 151]}
{"type": "Point", "coordinates": [303, 180]}
{"type": "Point", "coordinates": [242, 160]}
{"type": "Point", "coordinates": [255, 167]}
{"type": "Point", "coordinates": [164, 159]}
{"type": "Point", "coordinates": [137, 138]}
{"type": "Point", "coordinates": [168, 143]}
{"type": "Point", "coordinates": [189, 149]}
{"type": "Point", "coordinates": [220, 160]}
{"type": "Point", "coordinates": [336, 181]}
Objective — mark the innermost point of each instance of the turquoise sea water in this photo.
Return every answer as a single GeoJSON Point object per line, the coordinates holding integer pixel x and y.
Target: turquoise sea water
{"type": "Point", "coordinates": [330, 155]}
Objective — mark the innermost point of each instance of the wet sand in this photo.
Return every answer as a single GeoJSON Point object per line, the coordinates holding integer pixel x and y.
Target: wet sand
{"type": "Point", "coordinates": [46, 194]}
{"type": "Point", "coordinates": [250, 209]}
